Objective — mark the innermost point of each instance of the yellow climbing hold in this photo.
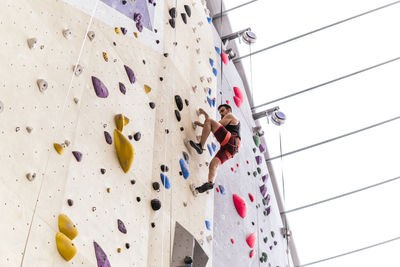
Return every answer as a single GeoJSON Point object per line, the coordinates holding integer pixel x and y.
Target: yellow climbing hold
{"type": "Point", "coordinates": [124, 149]}
{"type": "Point", "coordinates": [147, 88]}
{"type": "Point", "coordinates": [67, 227]}
{"type": "Point", "coordinates": [65, 246]}
{"type": "Point", "coordinates": [59, 148]}
{"type": "Point", "coordinates": [121, 121]}
{"type": "Point", "coordinates": [105, 56]}
{"type": "Point", "coordinates": [136, 34]}
{"type": "Point", "coordinates": [117, 31]}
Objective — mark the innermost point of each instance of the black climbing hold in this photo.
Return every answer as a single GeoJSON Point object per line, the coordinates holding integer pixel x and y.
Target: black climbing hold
{"type": "Point", "coordinates": [172, 23]}
{"type": "Point", "coordinates": [172, 12]}
{"type": "Point", "coordinates": [177, 115]}
{"type": "Point", "coordinates": [161, 78]}
{"type": "Point", "coordinates": [153, 225]}
{"type": "Point", "coordinates": [179, 103]}
{"type": "Point", "coordinates": [157, 41]}
{"type": "Point", "coordinates": [138, 199]}
{"type": "Point", "coordinates": [155, 30]}
{"type": "Point", "coordinates": [166, 131]}
{"type": "Point", "coordinates": [185, 156]}
{"type": "Point", "coordinates": [188, 10]}
{"type": "Point", "coordinates": [248, 173]}
{"type": "Point", "coordinates": [70, 202]}
{"type": "Point", "coordinates": [180, 173]}
{"type": "Point", "coordinates": [121, 226]}
{"type": "Point", "coordinates": [114, 43]}
{"type": "Point", "coordinates": [187, 102]}
{"type": "Point", "coordinates": [254, 149]}
{"type": "Point", "coordinates": [155, 204]}
{"type": "Point", "coordinates": [182, 129]}
{"type": "Point", "coordinates": [123, 30]}
{"type": "Point", "coordinates": [184, 18]}
{"type": "Point", "coordinates": [252, 223]}
{"type": "Point", "coordinates": [152, 105]}
{"type": "Point", "coordinates": [122, 88]}
{"type": "Point", "coordinates": [77, 155]}
{"type": "Point", "coordinates": [108, 137]}
{"type": "Point", "coordinates": [130, 137]}
{"type": "Point", "coordinates": [165, 54]}
{"type": "Point", "coordinates": [137, 136]}
{"type": "Point", "coordinates": [188, 260]}
{"type": "Point", "coordinates": [144, 61]}
{"type": "Point", "coordinates": [175, 43]}
{"type": "Point", "coordinates": [127, 245]}
{"type": "Point", "coordinates": [133, 181]}
{"type": "Point", "coordinates": [103, 171]}
{"type": "Point", "coordinates": [154, 4]}
{"type": "Point", "coordinates": [156, 186]}
{"type": "Point", "coordinates": [124, 2]}
{"type": "Point", "coordinates": [164, 168]}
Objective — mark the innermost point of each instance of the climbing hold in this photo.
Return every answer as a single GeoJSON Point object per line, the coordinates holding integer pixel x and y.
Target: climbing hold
{"type": "Point", "coordinates": [124, 149]}
{"type": "Point", "coordinates": [184, 18]}
{"type": "Point", "coordinates": [156, 186]}
{"type": "Point", "coordinates": [130, 74]}
{"type": "Point", "coordinates": [67, 34]}
{"type": "Point", "coordinates": [240, 205]}
{"type": "Point", "coordinates": [251, 253]}
{"type": "Point", "coordinates": [136, 34]}
{"type": "Point", "coordinates": [121, 121]}
{"type": "Point", "coordinates": [147, 88]}
{"type": "Point", "coordinates": [105, 56]}
{"type": "Point", "coordinates": [238, 98]}
{"type": "Point", "coordinates": [165, 181]}
{"type": "Point", "coordinates": [122, 88]}
{"type": "Point", "coordinates": [215, 71]}
{"type": "Point", "coordinates": [70, 202]}
{"type": "Point", "coordinates": [123, 30]}
{"type": "Point", "coordinates": [264, 178]}
{"type": "Point", "coordinates": [91, 35]}
{"type": "Point", "coordinates": [101, 257]}
{"type": "Point", "coordinates": [133, 181]}
{"type": "Point", "coordinates": [187, 102]}
{"type": "Point", "coordinates": [172, 12]}
{"type": "Point", "coordinates": [137, 17]}
{"type": "Point", "coordinates": [155, 204]}
{"type": "Point", "coordinates": [179, 103]}
{"type": "Point", "coordinates": [267, 199]}
{"type": "Point", "coordinates": [42, 84]}
{"type": "Point", "coordinates": [32, 43]}
{"type": "Point", "coordinates": [99, 88]}
{"type": "Point", "coordinates": [222, 189]}
{"type": "Point", "coordinates": [209, 149]}
{"type": "Point", "coordinates": [256, 140]}
{"type": "Point", "coordinates": [121, 226]}
{"type": "Point", "coordinates": [259, 170]}
{"type": "Point", "coordinates": [251, 197]}
{"type": "Point", "coordinates": [152, 105]}
{"type": "Point", "coordinates": [1, 107]}
{"type": "Point", "coordinates": [272, 234]}
{"type": "Point", "coordinates": [164, 168]}
{"type": "Point", "coordinates": [67, 227]}
{"type": "Point", "coordinates": [172, 22]}
{"type": "Point", "coordinates": [188, 10]}
{"type": "Point", "coordinates": [217, 189]}
{"type": "Point", "coordinates": [268, 210]}
{"type": "Point", "coordinates": [262, 148]}
{"type": "Point", "coordinates": [138, 199]}
{"type": "Point", "coordinates": [275, 243]}
{"type": "Point", "coordinates": [185, 156]}
{"type": "Point", "coordinates": [232, 241]}
{"type": "Point", "coordinates": [153, 225]}
{"type": "Point", "coordinates": [211, 62]}
{"type": "Point", "coordinates": [139, 26]}
{"type": "Point", "coordinates": [177, 115]}
{"type": "Point", "coordinates": [208, 225]}
{"type": "Point", "coordinates": [209, 101]}
{"type": "Point", "coordinates": [188, 260]}
{"type": "Point", "coordinates": [258, 160]}
{"type": "Point", "coordinates": [217, 49]}
{"type": "Point", "coordinates": [59, 148]}
{"type": "Point", "coordinates": [251, 240]}
{"type": "Point", "coordinates": [214, 147]}
{"type": "Point", "coordinates": [31, 176]}
{"type": "Point", "coordinates": [209, 20]}
{"type": "Point", "coordinates": [67, 143]}
{"type": "Point", "coordinates": [78, 69]}
{"type": "Point", "coordinates": [254, 149]}
{"type": "Point", "coordinates": [108, 137]}
{"type": "Point", "coordinates": [185, 171]}
{"type": "Point", "coordinates": [65, 246]}
{"type": "Point", "coordinates": [263, 190]}
{"type": "Point", "coordinates": [225, 58]}
{"type": "Point", "coordinates": [77, 155]}
{"type": "Point", "coordinates": [127, 245]}
{"type": "Point", "coordinates": [117, 31]}
{"type": "Point", "coordinates": [137, 136]}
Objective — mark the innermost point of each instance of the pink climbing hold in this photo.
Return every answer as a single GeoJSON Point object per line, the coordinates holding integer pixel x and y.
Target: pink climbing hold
{"type": "Point", "coordinates": [251, 240]}
{"type": "Point", "coordinates": [225, 58]}
{"type": "Point", "coordinates": [251, 253]}
{"type": "Point", "coordinates": [232, 241]}
{"type": "Point", "coordinates": [237, 100]}
{"type": "Point", "coordinates": [227, 101]}
{"type": "Point", "coordinates": [240, 205]}
{"type": "Point", "coordinates": [251, 197]}
{"type": "Point", "coordinates": [232, 169]}
{"type": "Point", "coordinates": [237, 165]}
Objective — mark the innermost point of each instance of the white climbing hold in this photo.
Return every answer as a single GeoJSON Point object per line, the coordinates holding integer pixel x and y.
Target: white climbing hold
{"type": "Point", "coordinates": [67, 34]}
{"type": "Point", "coordinates": [32, 43]}
{"type": "Point", "coordinates": [42, 84]}
{"type": "Point", "coordinates": [91, 35]}
{"type": "Point", "coordinates": [209, 238]}
{"type": "Point", "coordinates": [78, 69]}
{"type": "Point", "coordinates": [31, 176]}
{"type": "Point", "coordinates": [66, 143]}
{"type": "Point", "coordinates": [29, 129]}
{"type": "Point", "coordinates": [209, 79]}
{"type": "Point", "coordinates": [194, 88]}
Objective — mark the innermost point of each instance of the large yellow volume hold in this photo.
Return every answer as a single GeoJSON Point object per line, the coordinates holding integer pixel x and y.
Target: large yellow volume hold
{"type": "Point", "coordinates": [121, 121]}
{"type": "Point", "coordinates": [65, 246]}
{"type": "Point", "coordinates": [124, 149]}
{"type": "Point", "coordinates": [67, 227]}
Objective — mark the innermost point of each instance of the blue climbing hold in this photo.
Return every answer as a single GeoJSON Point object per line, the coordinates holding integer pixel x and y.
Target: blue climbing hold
{"type": "Point", "coordinates": [217, 50]}
{"type": "Point", "coordinates": [209, 20]}
{"type": "Point", "coordinates": [213, 102]}
{"type": "Point", "coordinates": [165, 181]}
{"type": "Point", "coordinates": [222, 189]}
{"type": "Point", "coordinates": [209, 91]}
{"type": "Point", "coordinates": [208, 225]}
{"type": "Point", "coordinates": [185, 171]}
{"type": "Point", "coordinates": [211, 62]}
{"type": "Point", "coordinates": [214, 147]}
{"type": "Point", "coordinates": [209, 149]}
{"type": "Point", "coordinates": [215, 71]}
{"type": "Point", "coordinates": [209, 101]}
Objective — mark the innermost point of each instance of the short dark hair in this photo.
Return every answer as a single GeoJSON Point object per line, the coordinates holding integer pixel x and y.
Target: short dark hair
{"type": "Point", "coordinates": [225, 106]}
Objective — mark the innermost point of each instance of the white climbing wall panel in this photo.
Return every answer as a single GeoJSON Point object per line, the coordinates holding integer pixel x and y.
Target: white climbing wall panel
{"type": "Point", "coordinates": [70, 110]}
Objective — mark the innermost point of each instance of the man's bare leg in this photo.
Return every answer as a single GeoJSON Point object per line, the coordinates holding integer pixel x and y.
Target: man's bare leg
{"type": "Point", "coordinates": [209, 125]}
{"type": "Point", "coordinates": [212, 169]}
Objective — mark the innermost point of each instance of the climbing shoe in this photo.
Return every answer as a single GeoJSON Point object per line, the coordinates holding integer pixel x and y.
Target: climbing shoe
{"type": "Point", "coordinates": [196, 146]}
{"type": "Point", "coordinates": [205, 187]}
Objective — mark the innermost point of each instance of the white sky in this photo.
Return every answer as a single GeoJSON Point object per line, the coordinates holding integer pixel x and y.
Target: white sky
{"type": "Point", "coordinates": [347, 164]}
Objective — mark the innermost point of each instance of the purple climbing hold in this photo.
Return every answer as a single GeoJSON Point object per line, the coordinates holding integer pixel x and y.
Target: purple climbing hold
{"type": "Point", "coordinates": [151, 1]}
{"type": "Point", "coordinates": [139, 26]}
{"type": "Point", "coordinates": [137, 17]}
{"type": "Point", "coordinates": [262, 148]}
{"type": "Point", "coordinates": [77, 155]}
{"type": "Point", "coordinates": [121, 227]}
{"type": "Point", "coordinates": [275, 243]}
{"type": "Point", "coordinates": [267, 199]}
{"type": "Point", "coordinates": [108, 137]}
{"type": "Point", "coordinates": [102, 260]}
{"type": "Point", "coordinates": [70, 202]}
{"type": "Point", "coordinates": [268, 210]}
{"type": "Point", "coordinates": [130, 74]}
{"type": "Point", "coordinates": [258, 160]}
{"type": "Point", "coordinates": [123, 30]}
{"type": "Point", "coordinates": [103, 171]}
{"type": "Point", "coordinates": [122, 88]}
{"type": "Point", "coordinates": [263, 190]}
{"type": "Point", "coordinates": [265, 178]}
{"type": "Point", "coordinates": [99, 88]}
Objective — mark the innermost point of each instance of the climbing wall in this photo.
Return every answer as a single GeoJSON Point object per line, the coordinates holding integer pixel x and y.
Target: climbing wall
{"type": "Point", "coordinates": [247, 223]}
{"type": "Point", "coordinates": [91, 128]}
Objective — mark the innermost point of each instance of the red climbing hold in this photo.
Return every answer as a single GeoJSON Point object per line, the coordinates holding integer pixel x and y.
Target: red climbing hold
{"type": "Point", "coordinates": [227, 101]}
{"type": "Point", "coordinates": [251, 240]}
{"type": "Point", "coordinates": [247, 162]}
{"type": "Point", "coordinates": [237, 100]}
{"type": "Point", "coordinates": [232, 169]}
{"type": "Point", "coordinates": [251, 197]}
{"type": "Point", "coordinates": [225, 58]}
{"type": "Point", "coordinates": [240, 205]}
{"type": "Point", "coordinates": [251, 253]}
{"type": "Point", "coordinates": [217, 188]}
{"type": "Point", "coordinates": [237, 165]}
{"type": "Point", "coordinates": [232, 241]}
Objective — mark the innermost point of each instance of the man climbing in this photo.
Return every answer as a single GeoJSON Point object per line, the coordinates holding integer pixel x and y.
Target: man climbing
{"type": "Point", "coordinates": [227, 133]}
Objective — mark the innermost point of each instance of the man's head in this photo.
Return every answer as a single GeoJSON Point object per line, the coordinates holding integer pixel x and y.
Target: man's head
{"type": "Point", "coordinates": [224, 109]}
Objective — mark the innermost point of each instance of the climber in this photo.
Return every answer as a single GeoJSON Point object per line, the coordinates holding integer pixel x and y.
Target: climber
{"type": "Point", "coordinates": [227, 133]}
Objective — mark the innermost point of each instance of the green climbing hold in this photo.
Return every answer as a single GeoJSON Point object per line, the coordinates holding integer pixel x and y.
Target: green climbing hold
{"type": "Point", "coordinates": [256, 140]}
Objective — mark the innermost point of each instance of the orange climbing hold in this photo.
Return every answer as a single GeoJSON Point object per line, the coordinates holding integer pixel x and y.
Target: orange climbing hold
{"type": "Point", "coordinates": [124, 149]}
{"type": "Point", "coordinates": [147, 88]}
{"type": "Point", "coordinates": [59, 148]}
